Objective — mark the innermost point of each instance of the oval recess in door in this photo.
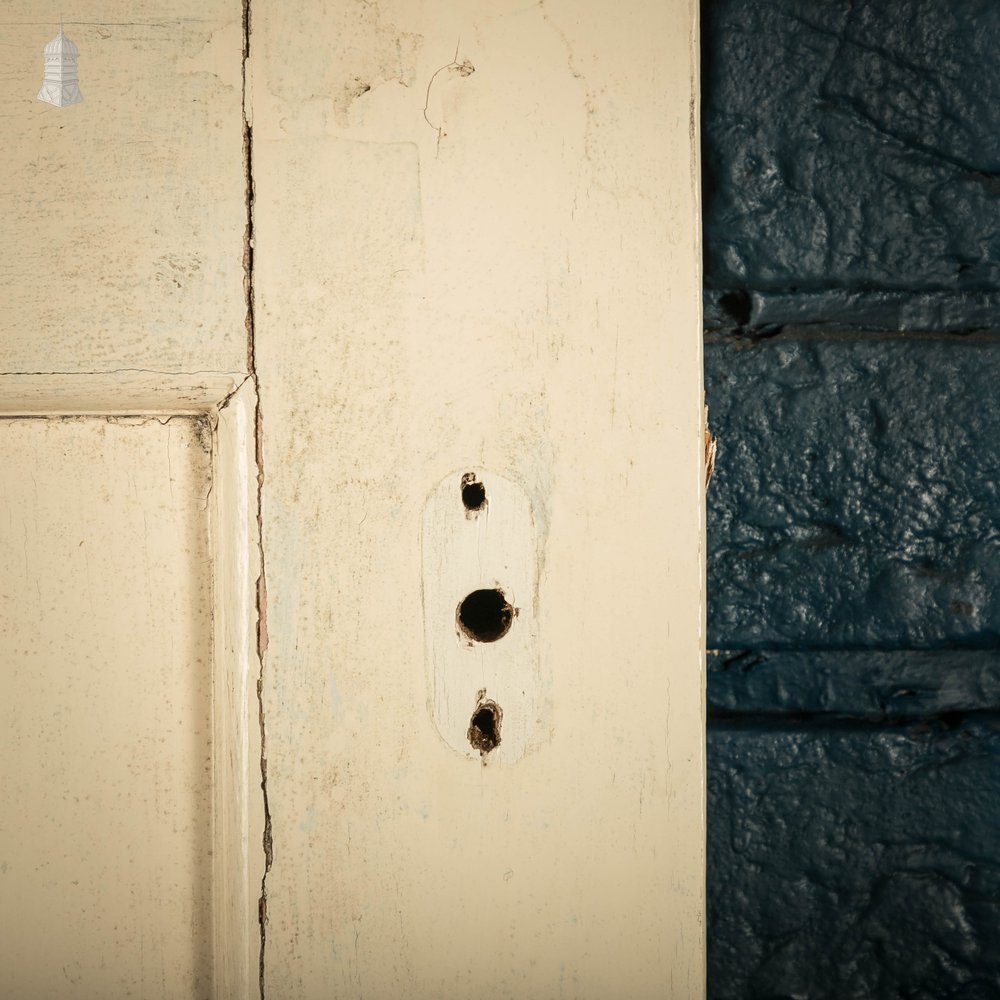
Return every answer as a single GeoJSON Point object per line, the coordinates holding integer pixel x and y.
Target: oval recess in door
{"type": "Point", "coordinates": [480, 579]}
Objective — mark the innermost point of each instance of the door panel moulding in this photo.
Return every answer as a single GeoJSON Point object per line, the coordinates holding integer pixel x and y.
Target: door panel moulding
{"type": "Point", "coordinates": [129, 390]}
{"type": "Point", "coordinates": [239, 808]}
{"type": "Point", "coordinates": [228, 401]}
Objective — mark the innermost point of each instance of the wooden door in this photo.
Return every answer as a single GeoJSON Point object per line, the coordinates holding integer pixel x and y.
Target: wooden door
{"type": "Point", "coordinates": [353, 517]}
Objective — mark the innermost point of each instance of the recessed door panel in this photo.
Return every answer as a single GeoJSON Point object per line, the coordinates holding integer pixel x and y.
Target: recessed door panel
{"type": "Point", "coordinates": [106, 713]}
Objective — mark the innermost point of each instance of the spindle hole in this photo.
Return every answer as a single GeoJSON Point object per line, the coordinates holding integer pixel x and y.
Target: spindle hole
{"type": "Point", "coordinates": [485, 615]}
{"type": "Point", "coordinates": [484, 730]}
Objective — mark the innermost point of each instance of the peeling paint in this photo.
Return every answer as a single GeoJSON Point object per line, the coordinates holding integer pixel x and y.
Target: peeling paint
{"type": "Point", "coordinates": [214, 57]}
{"type": "Point", "coordinates": [711, 447]}
{"type": "Point", "coordinates": [379, 54]}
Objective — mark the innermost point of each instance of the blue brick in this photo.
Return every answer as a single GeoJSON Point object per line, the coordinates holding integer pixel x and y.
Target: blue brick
{"type": "Point", "coordinates": [852, 151]}
{"type": "Point", "coordinates": [856, 500]}
{"type": "Point", "coordinates": [851, 862]}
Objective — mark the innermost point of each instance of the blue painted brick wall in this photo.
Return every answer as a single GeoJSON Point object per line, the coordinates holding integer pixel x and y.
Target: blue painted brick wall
{"type": "Point", "coordinates": [852, 294]}
{"type": "Point", "coordinates": [857, 493]}
{"type": "Point", "coordinates": [857, 861]}
{"type": "Point", "coordinates": [852, 161]}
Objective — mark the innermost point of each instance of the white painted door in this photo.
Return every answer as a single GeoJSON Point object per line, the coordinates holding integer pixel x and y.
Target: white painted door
{"type": "Point", "coordinates": [352, 538]}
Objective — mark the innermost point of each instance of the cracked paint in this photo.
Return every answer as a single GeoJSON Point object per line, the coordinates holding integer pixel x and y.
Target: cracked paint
{"type": "Point", "coordinates": [248, 250]}
{"type": "Point", "coordinates": [461, 69]}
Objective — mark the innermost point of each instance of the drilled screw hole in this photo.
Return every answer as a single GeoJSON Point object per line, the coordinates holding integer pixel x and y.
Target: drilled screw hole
{"type": "Point", "coordinates": [473, 492]}
{"type": "Point", "coordinates": [484, 730]}
{"type": "Point", "coordinates": [485, 615]}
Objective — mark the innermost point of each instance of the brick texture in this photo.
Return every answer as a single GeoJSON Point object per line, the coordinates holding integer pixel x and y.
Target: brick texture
{"type": "Point", "coordinates": [852, 302]}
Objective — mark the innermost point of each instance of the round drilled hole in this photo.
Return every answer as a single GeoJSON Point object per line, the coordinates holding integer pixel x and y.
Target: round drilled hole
{"type": "Point", "coordinates": [484, 729]}
{"type": "Point", "coordinates": [473, 492]}
{"type": "Point", "coordinates": [485, 615]}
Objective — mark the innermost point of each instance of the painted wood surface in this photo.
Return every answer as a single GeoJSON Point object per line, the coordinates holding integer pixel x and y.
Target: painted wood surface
{"type": "Point", "coordinates": [106, 718]}
{"type": "Point", "coordinates": [174, 859]}
{"type": "Point", "coordinates": [238, 815]}
{"type": "Point", "coordinates": [116, 392]}
{"type": "Point", "coordinates": [476, 246]}
{"type": "Point", "coordinates": [123, 282]}
{"type": "Point", "coordinates": [480, 557]}
{"type": "Point", "coordinates": [123, 215]}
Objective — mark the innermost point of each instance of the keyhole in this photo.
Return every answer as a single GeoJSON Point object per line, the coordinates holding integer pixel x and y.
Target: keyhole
{"type": "Point", "coordinates": [485, 615]}
{"type": "Point", "coordinates": [484, 730]}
